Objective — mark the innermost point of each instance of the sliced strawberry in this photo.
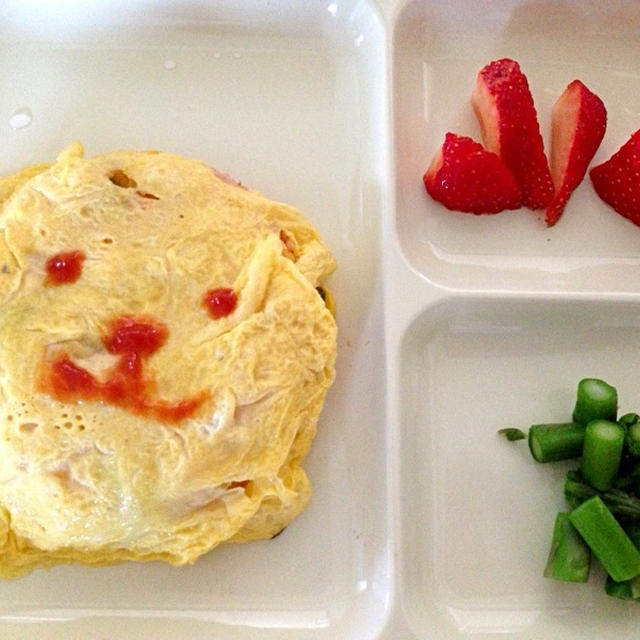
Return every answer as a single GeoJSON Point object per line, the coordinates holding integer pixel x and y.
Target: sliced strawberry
{"type": "Point", "coordinates": [617, 181]}
{"type": "Point", "coordinates": [578, 122]}
{"type": "Point", "coordinates": [464, 176]}
{"type": "Point", "coordinates": [504, 106]}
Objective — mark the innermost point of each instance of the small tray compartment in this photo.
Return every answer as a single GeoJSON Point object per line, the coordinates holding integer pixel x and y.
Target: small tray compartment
{"type": "Point", "coordinates": [476, 525]}
{"type": "Point", "coordinates": [438, 48]}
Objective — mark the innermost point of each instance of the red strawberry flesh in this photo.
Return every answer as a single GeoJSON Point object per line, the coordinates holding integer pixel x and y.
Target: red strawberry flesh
{"type": "Point", "coordinates": [617, 181]}
{"type": "Point", "coordinates": [504, 106]}
{"type": "Point", "coordinates": [579, 121]}
{"type": "Point", "coordinates": [464, 176]}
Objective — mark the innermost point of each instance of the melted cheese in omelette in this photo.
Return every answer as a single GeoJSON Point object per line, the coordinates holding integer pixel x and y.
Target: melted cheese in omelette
{"type": "Point", "coordinates": [90, 481]}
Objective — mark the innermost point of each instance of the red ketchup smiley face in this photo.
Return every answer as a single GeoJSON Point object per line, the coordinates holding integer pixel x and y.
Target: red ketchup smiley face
{"type": "Point", "coordinates": [133, 339]}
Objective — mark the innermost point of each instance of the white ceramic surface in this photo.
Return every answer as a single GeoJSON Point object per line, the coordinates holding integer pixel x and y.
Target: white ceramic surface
{"type": "Point", "coordinates": [423, 524]}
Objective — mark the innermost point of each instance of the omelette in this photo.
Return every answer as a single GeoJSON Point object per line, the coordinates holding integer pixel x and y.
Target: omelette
{"type": "Point", "coordinates": [166, 345]}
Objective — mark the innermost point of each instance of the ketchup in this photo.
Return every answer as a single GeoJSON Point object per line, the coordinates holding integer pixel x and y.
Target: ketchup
{"type": "Point", "coordinates": [129, 335]}
{"type": "Point", "coordinates": [64, 268]}
{"type": "Point", "coordinates": [220, 302]}
{"type": "Point", "coordinates": [132, 339]}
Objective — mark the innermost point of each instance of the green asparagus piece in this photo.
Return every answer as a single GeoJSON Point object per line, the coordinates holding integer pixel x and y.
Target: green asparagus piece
{"type": "Point", "coordinates": [511, 433]}
{"type": "Point", "coordinates": [634, 585]}
{"type": "Point", "coordinates": [606, 539]}
{"type": "Point", "coordinates": [576, 491]}
{"type": "Point", "coordinates": [596, 400]}
{"type": "Point", "coordinates": [624, 506]}
{"type": "Point", "coordinates": [632, 439]}
{"type": "Point", "coordinates": [629, 589]}
{"type": "Point", "coordinates": [628, 419]}
{"type": "Point", "coordinates": [602, 452]}
{"type": "Point", "coordinates": [569, 556]}
{"type": "Point", "coordinates": [556, 441]}
{"type": "Point", "coordinates": [623, 590]}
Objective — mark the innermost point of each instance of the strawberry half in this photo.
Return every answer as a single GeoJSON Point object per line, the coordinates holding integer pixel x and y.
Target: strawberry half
{"type": "Point", "coordinates": [617, 181]}
{"type": "Point", "coordinates": [578, 122]}
{"type": "Point", "coordinates": [504, 106]}
{"type": "Point", "coordinates": [464, 176]}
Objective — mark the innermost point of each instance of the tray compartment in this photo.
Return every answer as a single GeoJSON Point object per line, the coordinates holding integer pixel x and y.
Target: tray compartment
{"type": "Point", "coordinates": [475, 527]}
{"type": "Point", "coordinates": [287, 97]}
{"type": "Point", "coordinates": [438, 48]}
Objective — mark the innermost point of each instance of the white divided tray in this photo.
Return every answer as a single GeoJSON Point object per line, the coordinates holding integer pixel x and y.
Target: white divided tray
{"type": "Point", "coordinates": [423, 523]}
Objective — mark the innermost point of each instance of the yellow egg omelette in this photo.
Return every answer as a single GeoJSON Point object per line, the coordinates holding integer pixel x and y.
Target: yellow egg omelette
{"type": "Point", "coordinates": [166, 345]}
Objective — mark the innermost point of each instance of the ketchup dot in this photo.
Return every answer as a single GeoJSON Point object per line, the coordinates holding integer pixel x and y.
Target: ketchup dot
{"type": "Point", "coordinates": [220, 302]}
{"type": "Point", "coordinates": [64, 268]}
{"type": "Point", "coordinates": [129, 335]}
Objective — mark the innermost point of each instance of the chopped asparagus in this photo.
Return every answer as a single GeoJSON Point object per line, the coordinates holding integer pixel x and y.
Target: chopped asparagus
{"type": "Point", "coordinates": [569, 556]}
{"type": "Point", "coordinates": [623, 505]}
{"type": "Point", "coordinates": [620, 590]}
{"type": "Point", "coordinates": [628, 419]}
{"type": "Point", "coordinates": [576, 491]}
{"type": "Point", "coordinates": [632, 439]}
{"type": "Point", "coordinates": [604, 493]}
{"type": "Point", "coordinates": [596, 400]}
{"type": "Point", "coordinates": [557, 441]}
{"type": "Point", "coordinates": [601, 454]}
{"type": "Point", "coordinates": [606, 539]}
